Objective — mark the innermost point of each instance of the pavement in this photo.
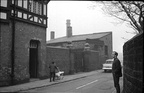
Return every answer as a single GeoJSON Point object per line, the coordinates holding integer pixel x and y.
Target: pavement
{"type": "Point", "coordinates": [46, 82]}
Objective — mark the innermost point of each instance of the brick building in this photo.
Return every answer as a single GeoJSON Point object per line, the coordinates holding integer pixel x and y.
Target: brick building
{"type": "Point", "coordinates": [22, 40]}
{"type": "Point", "coordinates": [101, 42]}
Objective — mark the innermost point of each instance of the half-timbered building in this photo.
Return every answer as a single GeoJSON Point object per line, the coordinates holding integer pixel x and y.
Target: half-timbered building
{"type": "Point", "coordinates": [23, 26]}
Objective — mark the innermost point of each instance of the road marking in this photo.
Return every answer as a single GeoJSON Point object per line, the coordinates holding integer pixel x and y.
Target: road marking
{"type": "Point", "coordinates": [86, 84]}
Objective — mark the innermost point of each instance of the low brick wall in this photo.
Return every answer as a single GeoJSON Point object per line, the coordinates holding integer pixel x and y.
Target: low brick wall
{"type": "Point", "coordinates": [133, 65]}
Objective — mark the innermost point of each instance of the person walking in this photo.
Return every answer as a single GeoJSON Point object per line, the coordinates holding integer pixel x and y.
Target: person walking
{"type": "Point", "coordinates": [116, 71]}
{"type": "Point", "coordinates": [53, 68]}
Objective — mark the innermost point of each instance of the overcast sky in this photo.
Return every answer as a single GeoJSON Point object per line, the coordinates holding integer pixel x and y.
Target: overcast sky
{"type": "Point", "coordinates": [84, 20]}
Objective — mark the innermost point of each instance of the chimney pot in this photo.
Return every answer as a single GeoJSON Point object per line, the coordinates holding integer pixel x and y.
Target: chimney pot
{"type": "Point", "coordinates": [68, 28]}
{"type": "Point", "coordinates": [52, 34]}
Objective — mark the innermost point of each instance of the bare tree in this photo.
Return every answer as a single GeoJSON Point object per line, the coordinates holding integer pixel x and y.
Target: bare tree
{"type": "Point", "coordinates": [131, 12]}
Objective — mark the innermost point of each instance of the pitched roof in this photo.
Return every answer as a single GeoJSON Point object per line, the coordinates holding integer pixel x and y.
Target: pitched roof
{"type": "Point", "coordinates": [78, 37]}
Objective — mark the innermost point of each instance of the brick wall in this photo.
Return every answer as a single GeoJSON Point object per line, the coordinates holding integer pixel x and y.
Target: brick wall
{"type": "Point", "coordinates": [5, 54]}
{"type": "Point", "coordinates": [74, 60]}
{"type": "Point", "coordinates": [60, 56]}
{"type": "Point", "coordinates": [133, 65]}
{"type": "Point", "coordinates": [23, 34]}
{"type": "Point", "coordinates": [91, 61]}
{"type": "Point", "coordinates": [78, 60]}
{"type": "Point", "coordinates": [78, 44]}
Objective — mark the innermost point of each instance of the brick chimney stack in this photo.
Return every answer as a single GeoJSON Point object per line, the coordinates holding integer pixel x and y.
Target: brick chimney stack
{"type": "Point", "coordinates": [68, 28]}
{"type": "Point", "coordinates": [52, 35]}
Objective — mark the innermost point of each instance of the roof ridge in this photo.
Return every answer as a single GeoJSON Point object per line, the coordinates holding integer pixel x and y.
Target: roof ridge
{"type": "Point", "coordinates": [79, 37]}
{"type": "Point", "coordinates": [92, 33]}
{"type": "Point", "coordinates": [56, 38]}
{"type": "Point", "coordinates": [103, 32]}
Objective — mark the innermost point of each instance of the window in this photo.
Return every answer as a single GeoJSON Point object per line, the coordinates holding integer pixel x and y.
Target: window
{"type": "Point", "coordinates": [44, 21]}
{"type": "Point", "coordinates": [109, 62]}
{"type": "Point", "coordinates": [25, 4]}
{"type": "Point", "coordinates": [33, 44]}
{"type": "Point", "coordinates": [16, 2]}
{"type": "Point", "coordinates": [3, 15]}
{"type": "Point", "coordinates": [40, 20]}
{"type": "Point", "coordinates": [44, 9]}
{"type": "Point", "coordinates": [24, 16]}
{"type": "Point", "coordinates": [30, 5]}
{"type": "Point", "coordinates": [35, 19]}
{"type": "Point", "coordinates": [30, 17]}
{"type": "Point", "coordinates": [12, 1]}
{"type": "Point", "coordinates": [36, 8]}
{"type": "Point", "coordinates": [20, 3]}
{"type": "Point", "coordinates": [20, 14]}
{"type": "Point", "coordinates": [12, 12]}
{"type": "Point", "coordinates": [33, 6]}
{"type": "Point", "coordinates": [40, 9]}
{"type": "Point", "coordinates": [3, 3]}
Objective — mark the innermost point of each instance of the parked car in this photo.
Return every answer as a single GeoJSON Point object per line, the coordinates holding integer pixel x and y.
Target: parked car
{"type": "Point", "coordinates": [107, 65]}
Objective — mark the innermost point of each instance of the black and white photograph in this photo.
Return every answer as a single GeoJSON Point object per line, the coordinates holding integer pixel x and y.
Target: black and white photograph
{"type": "Point", "coordinates": [71, 46]}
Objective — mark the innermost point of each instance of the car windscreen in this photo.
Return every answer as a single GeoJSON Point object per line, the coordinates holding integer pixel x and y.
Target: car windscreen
{"type": "Point", "coordinates": [108, 62]}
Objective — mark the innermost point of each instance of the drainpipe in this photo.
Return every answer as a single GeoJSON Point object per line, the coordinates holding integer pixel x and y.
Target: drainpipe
{"type": "Point", "coordinates": [13, 43]}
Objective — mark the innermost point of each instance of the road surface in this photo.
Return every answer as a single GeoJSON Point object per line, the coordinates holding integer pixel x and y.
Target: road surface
{"type": "Point", "coordinates": [100, 82]}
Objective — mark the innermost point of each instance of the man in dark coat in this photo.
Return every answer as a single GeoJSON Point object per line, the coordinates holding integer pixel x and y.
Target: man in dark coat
{"type": "Point", "coordinates": [53, 68]}
{"type": "Point", "coordinates": [116, 71]}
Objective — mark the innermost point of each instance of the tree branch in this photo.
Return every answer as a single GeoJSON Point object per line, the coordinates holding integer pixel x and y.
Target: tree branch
{"type": "Point", "coordinates": [132, 19]}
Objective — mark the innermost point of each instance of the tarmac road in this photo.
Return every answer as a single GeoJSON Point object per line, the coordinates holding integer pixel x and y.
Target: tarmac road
{"type": "Point", "coordinates": [99, 82]}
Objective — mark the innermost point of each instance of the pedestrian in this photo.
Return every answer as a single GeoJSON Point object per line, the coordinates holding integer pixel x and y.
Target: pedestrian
{"type": "Point", "coordinates": [53, 68]}
{"type": "Point", "coordinates": [116, 71]}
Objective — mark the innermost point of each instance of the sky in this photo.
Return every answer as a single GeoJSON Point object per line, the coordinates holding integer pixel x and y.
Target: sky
{"type": "Point", "coordinates": [85, 20]}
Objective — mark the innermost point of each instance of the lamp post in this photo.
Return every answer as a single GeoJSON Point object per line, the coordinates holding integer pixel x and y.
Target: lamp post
{"type": "Point", "coordinates": [69, 46]}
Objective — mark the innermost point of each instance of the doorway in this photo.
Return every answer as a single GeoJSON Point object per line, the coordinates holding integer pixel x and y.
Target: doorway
{"type": "Point", "coordinates": [33, 59]}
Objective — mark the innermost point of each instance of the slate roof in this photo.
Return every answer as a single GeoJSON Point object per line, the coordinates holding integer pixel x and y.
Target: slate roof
{"type": "Point", "coordinates": [79, 37]}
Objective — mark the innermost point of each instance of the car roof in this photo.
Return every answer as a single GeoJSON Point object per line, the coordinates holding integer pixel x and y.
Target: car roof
{"type": "Point", "coordinates": [109, 60]}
